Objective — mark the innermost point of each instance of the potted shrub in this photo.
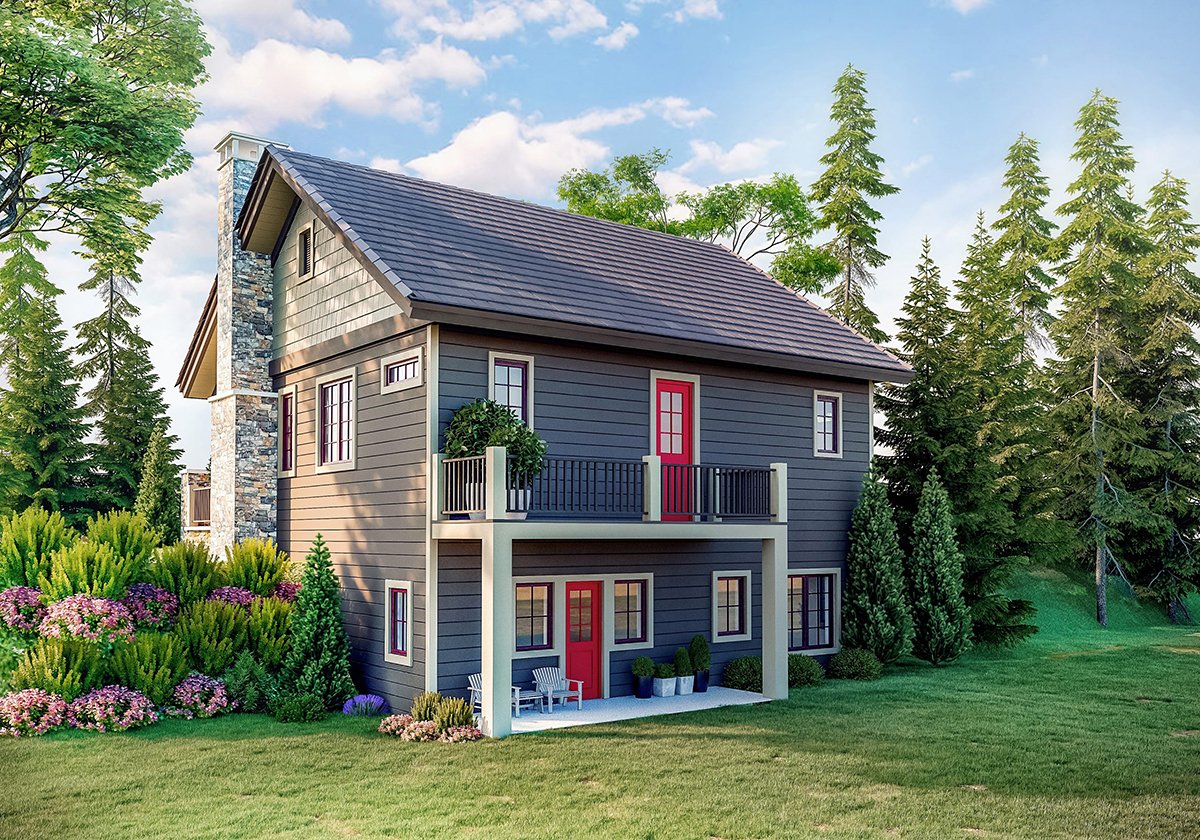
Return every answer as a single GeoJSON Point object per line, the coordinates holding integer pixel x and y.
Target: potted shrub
{"type": "Point", "coordinates": [643, 677]}
{"type": "Point", "coordinates": [483, 423]}
{"type": "Point", "coordinates": [526, 454]}
{"type": "Point", "coordinates": [701, 661]}
{"type": "Point", "coordinates": [684, 673]}
{"type": "Point", "coordinates": [664, 679]}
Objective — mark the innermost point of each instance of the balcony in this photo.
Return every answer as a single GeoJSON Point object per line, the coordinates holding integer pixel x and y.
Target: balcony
{"type": "Point", "coordinates": [484, 487]}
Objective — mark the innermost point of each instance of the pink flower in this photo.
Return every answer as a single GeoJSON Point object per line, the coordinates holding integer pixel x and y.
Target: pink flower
{"type": "Point", "coordinates": [31, 712]}
{"type": "Point", "coordinates": [21, 608]}
{"type": "Point", "coordinates": [113, 707]}
{"type": "Point", "coordinates": [200, 696]}
{"type": "Point", "coordinates": [461, 734]}
{"type": "Point", "coordinates": [88, 617]}
{"type": "Point", "coordinates": [152, 608]}
{"type": "Point", "coordinates": [233, 595]}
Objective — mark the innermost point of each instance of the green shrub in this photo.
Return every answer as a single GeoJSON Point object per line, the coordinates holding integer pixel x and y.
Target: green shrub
{"type": "Point", "coordinates": [471, 428]}
{"type": "Point", "coordinates": [804, 670]}
{"type": "Point", "coordinates": [701, 657]}
{"type": "Point", "coordinates": [249, 683]}
{"type": "Point", "coordinates": [683, 663]}
{"type": "Point", "coordinates": [643, 666]}
{"type": "Point", "coordinates": [298, 708]}
{"type": "Point", "coordinates": [318, 660]}
{"type": "Point", "coordinates": [453, 711]}
{"type": "Point", "coordinates": [153, 663]}
{"type": "Point", "coordinates": [213, 633]}
{"type": "Point", "coordinates": [66, 667]}
{"type": "Point", "coordinates": [664, 670]}
{"type": "Point", "coordinates": [268, 631]}
{"type": "Point", "coordinates": [744, 673]}
{"type": "Point", "coordinates": [26, 542]}
{"type": "Point", "coordinates": [255, 564]}
{"type": "Point", "coordinates": [186, 570]}
{"type": "Point", "coordinates": [12, 648]}
{"type": "Point", "coordinates": [526, 451]}
{"type": "Point", "coordinates": [89, 567]}
{"type": "Point", "coordinates": [128, 534]}
{"type": "Point", "coordinates": [426, 705]}
{"type": "Point", "coordinates": [855, 664]}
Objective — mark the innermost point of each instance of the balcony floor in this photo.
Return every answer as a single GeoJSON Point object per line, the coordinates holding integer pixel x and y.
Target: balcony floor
{"type": "Point", "coordinates": [629, 708]}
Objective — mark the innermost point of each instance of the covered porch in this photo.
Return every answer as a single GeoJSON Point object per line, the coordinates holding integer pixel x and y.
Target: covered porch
{"type": "Point", "coordinates": [615, 709]}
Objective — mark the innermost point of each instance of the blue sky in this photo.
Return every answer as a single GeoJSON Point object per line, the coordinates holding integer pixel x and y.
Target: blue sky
{"type": "Point", "coordinates": [503, 95]}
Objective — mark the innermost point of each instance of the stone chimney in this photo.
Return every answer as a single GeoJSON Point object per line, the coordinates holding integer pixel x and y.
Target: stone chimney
{"type": "Point", "coordinates": [244, 407]}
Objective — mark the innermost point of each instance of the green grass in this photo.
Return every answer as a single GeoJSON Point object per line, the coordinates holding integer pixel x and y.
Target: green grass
{"type": "Point", "coordinates": [1079, 733]}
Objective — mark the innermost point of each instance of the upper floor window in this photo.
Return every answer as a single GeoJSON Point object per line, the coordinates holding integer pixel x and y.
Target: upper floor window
{"type": "Point", "coordinates": [629, 611]}
{"type": "Point", "coordinates": [511, 384]}
{"type": "Point", "coordinates": [533, 612]}
{"type": "Point", "coordinates": [304, 252]}
{"type": "Point", "coordinates": [335, 421]}
{"type": "Point", "coordinates": [731, 606]}
{"type": "Point", "coordinates": [401, 371]}
{"type": "Point", "coordinates": [810, 611]}
{"type": "Point", "coordinates": [827, 424]}
{"type": "Point", "coordinates": [287, 431]}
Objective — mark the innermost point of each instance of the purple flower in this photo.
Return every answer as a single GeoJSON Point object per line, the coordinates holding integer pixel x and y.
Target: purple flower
{"type": "Point", "coordinates": [112, 708]}
{"type": "Point", "coordinates": [31, 712]}
{"type": "Point", "coordinates": [152, 608]}
{"type": "Point", "coordinates": [365, 705]}
{"type": "Point", "coordinates": [233, 595]}
{"type": "Point", "coordinates": [21, 608]}
{"type": "Point", "coordinates": [200, 696]}
{"type": "Point", "coordinates": [286, 590]}
{"type": "Point", "coordinates": [88, 617]}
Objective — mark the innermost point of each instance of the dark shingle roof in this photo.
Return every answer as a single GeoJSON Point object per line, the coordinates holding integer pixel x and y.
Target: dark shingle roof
{"type": "Point", "coordinates": [451, 246]}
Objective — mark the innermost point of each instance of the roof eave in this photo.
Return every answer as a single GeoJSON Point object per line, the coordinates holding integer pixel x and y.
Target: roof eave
{"type": "Point", "coordinates": [189, 379]}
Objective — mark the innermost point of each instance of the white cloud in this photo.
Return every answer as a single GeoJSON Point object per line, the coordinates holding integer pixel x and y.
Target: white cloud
{"type": "Point", "coordinates": [276, 82]}
{"type": "Point", "coordinates": [387, 164]}
{"type": "Point", "coordinates": [912, 166]}
{"type": "Point", "coordinates": [278, 18]}
{"type": "Point", "coordinates": [507, 154]}
{"type": "Point", "coordinates": [488, 20]}
{"type": "Point", "coordinates": [710, 9]}
{"type": "Point", "coordinates": [618, 38]}
{"type": "Point", "coordinates": [965, 7]}
{"type": "Point", "coordinates": [741, 157]}
{"type": "Point", "coordinates": [962, 75]}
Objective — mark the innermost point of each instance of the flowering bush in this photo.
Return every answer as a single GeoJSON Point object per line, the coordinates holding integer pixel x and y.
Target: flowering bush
{"type": "Point", "coordinates": [21, 608]}
{"type": "Point", "coordinates": [200, 696]}
{"type": "Point", "coordinates": [112, 708]}
{"type": "Point", "coordinates": [286, 590]}
{"type": "Point", "coordinates": [407, 729]}
{"type": "Point", "coordinates": [420, 730]}
{"type": "Point", "coordinates": [152, 608]}
{"type": "Point", "coordinates": [365, 705]}
{"type": "Point", "coordinates": [461, 734]}
{"type": "Point", "coordinates": [395, 724]}
{"type": "Point", "coordinates": [233, 595]}
{"type": "Point", "coordinates": [31, 712]}
{"type": "Point", "coordinates": [88, 617]}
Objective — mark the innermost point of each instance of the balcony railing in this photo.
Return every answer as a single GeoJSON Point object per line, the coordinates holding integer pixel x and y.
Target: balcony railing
{"type": "Point", "coordinates": [485, 487]}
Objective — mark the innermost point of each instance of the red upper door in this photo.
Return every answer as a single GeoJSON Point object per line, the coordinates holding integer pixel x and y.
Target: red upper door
{"type": "Point", "coordinates": [673, 442]}
{"type": "Point", "coordinates": [583, 635]}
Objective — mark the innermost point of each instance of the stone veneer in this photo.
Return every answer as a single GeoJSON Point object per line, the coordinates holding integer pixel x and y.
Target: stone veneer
{"type": "Point", "coordinates": [245, 406]}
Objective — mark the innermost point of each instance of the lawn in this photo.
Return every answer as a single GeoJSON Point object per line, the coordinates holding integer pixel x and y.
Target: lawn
{"type": "Point", "coordinates": [1079, 733]}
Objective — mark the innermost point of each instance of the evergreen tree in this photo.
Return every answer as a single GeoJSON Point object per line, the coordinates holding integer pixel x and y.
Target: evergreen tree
{"type": "Point", "coordinates": [875, 615]}
{"type": "Point", "coordinates": [318, 662]}
{"type": "Point", "coordinates": [1096, 427]}
{"type": "Point", "coordinates": [41, 437]}
{"type": "Point", "coordinates": [851, 177]}
{"type": "Point", "coordinates": [1023, 241]}
{"type": "Point", "coordinates": [941, 619]}
{"type": "Point", "coordinates": [158, 495]}
{"type": "Point", "coordinates": [22, 279]}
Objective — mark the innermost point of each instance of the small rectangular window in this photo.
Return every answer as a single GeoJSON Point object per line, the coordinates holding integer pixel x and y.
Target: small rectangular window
{"type": "Point", "coordinates": [287, 431]}
{"type": "Point", "coordinates": [398, 626]}
{"type": "Point", "coordinates": [810, 611]}
{"type": "Point", "coordinates": [511, 384]}
{"type": "Point", "coordinates": [304, 252]}
{"type": "Point", "coordinates": [401, 371]}
{"type": "Point", "coordinates": [629, 611]}
{"type": "Point", "coordinates": [335, 426]}
{"type": "Point", "coordinates": [533, 611]}
{"type": "Point", "coordinates": [731, 606]}
{"type": "Point", "coordinates": [827, 424]}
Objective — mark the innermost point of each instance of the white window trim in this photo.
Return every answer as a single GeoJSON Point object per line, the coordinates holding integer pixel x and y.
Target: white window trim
{"type": "Point", "coordinates": [693, 378]}
{"type": "Point", "coordinates": [290, 390]}
{"type": "Point", "coordinates": [493, 355]}
{"type": "Point", "coordinates": [337, 466]}
{"type": "Point", "coordinates": [841, 423]}
{"type": "Point", "coordinates": [418, 353]}
{"type": "Point", "coordinates": [388, 656]}
{"type": "Point", "coordinates": [312, 251]}
{"type": "Point", "coordinates": [749, 594]}
{"type": "Point", "coordinates": [835, 625]}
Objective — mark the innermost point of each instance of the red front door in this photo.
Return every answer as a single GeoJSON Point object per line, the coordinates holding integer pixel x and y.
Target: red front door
{"type": "Point", "coordinates": [673, 443]}
{"type": "Point", "coordinates": [583, 635]}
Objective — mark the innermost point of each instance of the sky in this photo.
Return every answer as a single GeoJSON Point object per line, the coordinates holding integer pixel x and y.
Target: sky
{"type": "Point", "coordinates": [506, 95]}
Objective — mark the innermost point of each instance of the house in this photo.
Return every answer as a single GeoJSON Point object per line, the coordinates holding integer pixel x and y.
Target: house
{"type": "Point", "coordinates": [708, 429]}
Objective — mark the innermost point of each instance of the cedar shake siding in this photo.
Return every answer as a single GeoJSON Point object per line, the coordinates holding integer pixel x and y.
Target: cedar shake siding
{"type": "Point", "coordinates": [372, 516]}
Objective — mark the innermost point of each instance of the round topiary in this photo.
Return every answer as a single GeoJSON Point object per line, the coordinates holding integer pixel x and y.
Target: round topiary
{"type": "Point", "coordinates": [803, 671]}
{"type": "Point", "coordinates": [643, 666]}
{"type": "Point", "coordinates": [745, 674]}
{"type": "Point", "coordinates": [855, 664]}
{"type": "Point", "coordinates": [683, 663]}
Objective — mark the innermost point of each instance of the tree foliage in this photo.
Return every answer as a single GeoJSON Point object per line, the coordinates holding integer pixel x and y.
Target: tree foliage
{"type": "Point", "coordinates": [941, 619]}
{"type": "Point", "coordinates": [318, 662]}
{"type": "Point", "coordinates": [158, 496]}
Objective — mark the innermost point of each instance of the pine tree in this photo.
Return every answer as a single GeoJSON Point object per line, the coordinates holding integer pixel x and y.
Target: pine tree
{"type": "Point", "coordinates": [318, 662]}
{"type": "Point", "coordinates": [158, 495]}
{"type": "Point", "coordinates": [1023, 241]}
{"type": "Point", "coordinates": [22, 279]}
{"type": "Point", "coordinates": [1096, 426]}
{"type": "Point", "coordinates": [875, 615]}
{"type": "Point", "coordinates": [42, 435]}
{"type": "Point", "coordinates": [852, 176]}
{"type": "Point", "coordinates": [941, 619]}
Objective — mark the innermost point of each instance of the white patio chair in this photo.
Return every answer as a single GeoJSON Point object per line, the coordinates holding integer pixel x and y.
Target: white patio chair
{"type": "Point", "coordinates": [554, 686]}
{"type": "Point", "coordinates": [521, 697]}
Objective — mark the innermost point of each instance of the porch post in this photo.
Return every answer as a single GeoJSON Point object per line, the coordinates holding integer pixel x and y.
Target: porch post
{"type": "Point", "coordinates": [774, 621]}
{"type": "Point", "coordinates": [652, 488]}
{"type": "Point", "coordinates": [496, 649]}
{"type": "Point", "coordinates": [779, 492]}
{"type": "Point", "coordinates": [495, 490]}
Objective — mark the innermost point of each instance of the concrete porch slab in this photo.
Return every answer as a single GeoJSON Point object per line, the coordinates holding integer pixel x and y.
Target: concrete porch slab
{"type": "Point", "coordinates": [629, 708]}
